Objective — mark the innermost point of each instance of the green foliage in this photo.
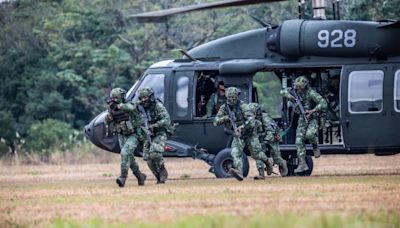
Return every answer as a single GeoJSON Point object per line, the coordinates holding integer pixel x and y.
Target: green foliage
{"type": "Point", "coordinates": [373, 10]}
{"type": "Point", "coordinates": [49, 135]}
{"type": "Point", "coordinates": [268, 87]}
{"type": "Point", "coordinates": [8, 130]}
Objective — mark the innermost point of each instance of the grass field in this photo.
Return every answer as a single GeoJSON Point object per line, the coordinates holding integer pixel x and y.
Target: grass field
{"type": "Point", "coordinates": [344, 191]}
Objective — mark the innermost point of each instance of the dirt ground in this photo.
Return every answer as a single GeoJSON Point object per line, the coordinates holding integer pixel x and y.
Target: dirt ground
{"type": "Point", "coordinates": [344, 184]}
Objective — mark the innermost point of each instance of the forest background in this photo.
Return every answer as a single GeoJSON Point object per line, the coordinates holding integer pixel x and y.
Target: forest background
{"type": "Point", "coordinates": [59, 59]}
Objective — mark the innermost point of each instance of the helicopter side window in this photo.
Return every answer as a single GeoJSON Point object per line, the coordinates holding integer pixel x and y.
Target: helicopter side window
{"type": "Point", "coordinates": [182, 93]}
{"type": "Point", "coordinates": [156, 82]}
{"type": "Point", "coordinates": [365, 91]}
{"type": "Point", "coordinates": [397, 91]}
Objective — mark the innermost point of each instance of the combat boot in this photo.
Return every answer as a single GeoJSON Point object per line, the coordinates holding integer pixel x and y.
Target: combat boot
{"type": "Point", "coordinates": [316, 151]}
{"type": "Point", "coordinates": [302, 165]}
{"type": "Point", "coordinates": [283, 168]}
{"type": "Point", "coordinates": [163, 175]}
{"type": "Point", "coordinates": [261, 175]}
{"type": "Point", "coordinates": [121, 179]}
{"type": "Point", "coordinates": [236, 174]}
{"type": "Point", "coordinates": [141, 177]}
{"type": "Point", "coordinates": [269, 167]}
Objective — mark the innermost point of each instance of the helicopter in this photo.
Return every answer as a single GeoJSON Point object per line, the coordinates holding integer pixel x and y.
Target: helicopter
{"type": "Point", "coordinates": [355, 65]}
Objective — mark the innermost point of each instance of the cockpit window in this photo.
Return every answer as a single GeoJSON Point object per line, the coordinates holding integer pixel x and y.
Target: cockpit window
{"type": "Point", "coordinates": [129, 94]}
{"type": "Point", "coordinates": [154, 81]}
{"type": "Point", "coordinates": [397, 91]}
{"type": "Point", "coordinates": [365, 91]}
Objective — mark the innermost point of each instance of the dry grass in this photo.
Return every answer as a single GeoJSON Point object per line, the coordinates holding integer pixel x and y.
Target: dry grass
{"type": "Point", "coordinates": [344, 185]}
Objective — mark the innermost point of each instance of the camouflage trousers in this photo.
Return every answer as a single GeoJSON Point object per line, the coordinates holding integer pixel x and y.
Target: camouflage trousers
{"type": "Point", "coordinates": [273, 148]}
{"type": "Point", "coordinates": [306, 131]}
{"type": "Point", "coordinates": [128, 144]}
{"type": "Point", "coordinates": [153, 152]}
{"type": "Point", "coordinates": [254, 146]}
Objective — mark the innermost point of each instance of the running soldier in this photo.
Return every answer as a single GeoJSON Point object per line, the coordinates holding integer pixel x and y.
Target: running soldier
{"type": "Point", "coordinates": [311, 106]}
{"type": "Point", "coordinates": [158, 123]}
{"type": "Point", "coordinates": [236, 115]}
{"type": "Point", "coordinates": [127, 122]}
{"type": "Point", "coordinates": [270, 134]}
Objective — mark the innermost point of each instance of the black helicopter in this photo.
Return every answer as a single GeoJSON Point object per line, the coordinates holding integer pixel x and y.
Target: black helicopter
{"type": "Point", "coordinates": [354, 64]}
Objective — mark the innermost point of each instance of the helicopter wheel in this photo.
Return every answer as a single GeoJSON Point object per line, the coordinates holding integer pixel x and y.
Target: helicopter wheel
{"type": "Point", "coordinates": [223, 161]}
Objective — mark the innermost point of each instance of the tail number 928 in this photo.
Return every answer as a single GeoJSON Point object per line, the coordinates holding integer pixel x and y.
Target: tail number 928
{"type": "Point", "coordinates": [337, 38]}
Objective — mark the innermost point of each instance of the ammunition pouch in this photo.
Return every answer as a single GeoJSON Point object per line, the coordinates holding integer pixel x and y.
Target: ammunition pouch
{"type": "Point", "coordinates": [120, 116]}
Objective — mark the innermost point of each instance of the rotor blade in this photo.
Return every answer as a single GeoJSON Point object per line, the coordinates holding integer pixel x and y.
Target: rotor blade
{"type": "Point", "coordinates": [162, 15]}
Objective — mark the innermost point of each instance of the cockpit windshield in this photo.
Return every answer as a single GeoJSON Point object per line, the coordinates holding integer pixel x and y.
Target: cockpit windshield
{"type": "Point", "coordinates": [154, 81]}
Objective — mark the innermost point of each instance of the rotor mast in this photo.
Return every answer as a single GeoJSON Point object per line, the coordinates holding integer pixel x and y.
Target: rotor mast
{"type": "Point", "coordinates": [319, 8]}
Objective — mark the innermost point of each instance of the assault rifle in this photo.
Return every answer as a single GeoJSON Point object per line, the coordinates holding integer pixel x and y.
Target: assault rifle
{"type": "Point", "coordinates": [146, 122]}
{"type": "Point", "coordinates": [298, 103]}
{"type": "Point", "coordinates": [232, 118]}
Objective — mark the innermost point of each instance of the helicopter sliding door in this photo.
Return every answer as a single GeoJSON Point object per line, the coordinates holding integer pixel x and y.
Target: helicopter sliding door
{"type": "Point", "coordinates": [370, 115]}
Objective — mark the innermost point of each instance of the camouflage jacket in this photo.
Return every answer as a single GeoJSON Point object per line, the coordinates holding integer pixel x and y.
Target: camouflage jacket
{"type": "Point", "coordinates": [310, 99]}
{"type": "Point", "coordinates": [130, 126]}
{"type": "Point", "coordinates": [159, 118]}
{"type": "Point", "coordinates": [243, 115]}
{"type": "Point", "coordinates": [269, 128]}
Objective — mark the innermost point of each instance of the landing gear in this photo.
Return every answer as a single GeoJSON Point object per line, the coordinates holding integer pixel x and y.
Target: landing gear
{"type": "Point", "coordinates": [223, 162]}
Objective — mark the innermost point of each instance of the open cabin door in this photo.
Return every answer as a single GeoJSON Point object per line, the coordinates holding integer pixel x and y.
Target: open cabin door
{"type": "Point", "coordinates": [370, 112]}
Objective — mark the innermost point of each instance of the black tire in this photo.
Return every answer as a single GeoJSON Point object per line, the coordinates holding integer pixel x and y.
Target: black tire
{"type": "Point", "coordinates": [223, 161]}
{"type": "Point", "coordinates": [310, 164]}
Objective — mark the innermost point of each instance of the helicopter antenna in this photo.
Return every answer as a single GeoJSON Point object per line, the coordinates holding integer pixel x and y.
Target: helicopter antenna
{"type": "Point", "coordinates": [262, 23]}
{"type": "Point", "coordinates": [187, 55]}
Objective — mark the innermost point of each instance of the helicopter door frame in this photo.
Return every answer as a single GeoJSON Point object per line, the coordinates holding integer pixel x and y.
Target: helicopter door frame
{"type": "Point", "coordinates": [368, 116]}
{"type": "Point", "coordinates": [182, 96]}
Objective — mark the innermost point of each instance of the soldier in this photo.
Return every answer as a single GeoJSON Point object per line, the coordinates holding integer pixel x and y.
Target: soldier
{"type": "Point", "coordinates": [127, 123]}
{"type": "Point", "coordinates": [236, 115]}
{"type": "Point", "coordinates": [216, 100]}
{"type": "Point", "coordinates": [159, 124]}
{"type": "Point", "coordinates": [270, 134]}
{"type": "Point", "coordinates": [310, 105]}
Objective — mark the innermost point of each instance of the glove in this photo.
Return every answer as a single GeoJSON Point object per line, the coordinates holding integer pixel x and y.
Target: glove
{"type": "Point", "coordinates": [238, 130]}
{"type": "Point", "coordinates": [224, 119]}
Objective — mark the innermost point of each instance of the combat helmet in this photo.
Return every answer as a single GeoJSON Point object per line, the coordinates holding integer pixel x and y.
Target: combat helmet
{"type": "Point", "coordinates": [117, 95]}
{"type": "Point", "coordinates": [146, 95]}
{"type": "Point", "coordinates": [232, 95]}
{"type": "Point", "coordinates": [300, 83]}
{"type": "Point", "coordinates": [255, 108]}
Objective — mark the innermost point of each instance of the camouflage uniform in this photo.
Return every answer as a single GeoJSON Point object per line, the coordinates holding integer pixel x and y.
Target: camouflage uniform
{"type": "Point", "coordinates": [244, 135]}
{"type": "Point", "coordinates": [127, 123]}
{"type": "Point", "coordinates": [270, 134]}
{"type": "Point", "coordinates": [159, 124]}
{"type": "Point", "coordinates": [314, 104]}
